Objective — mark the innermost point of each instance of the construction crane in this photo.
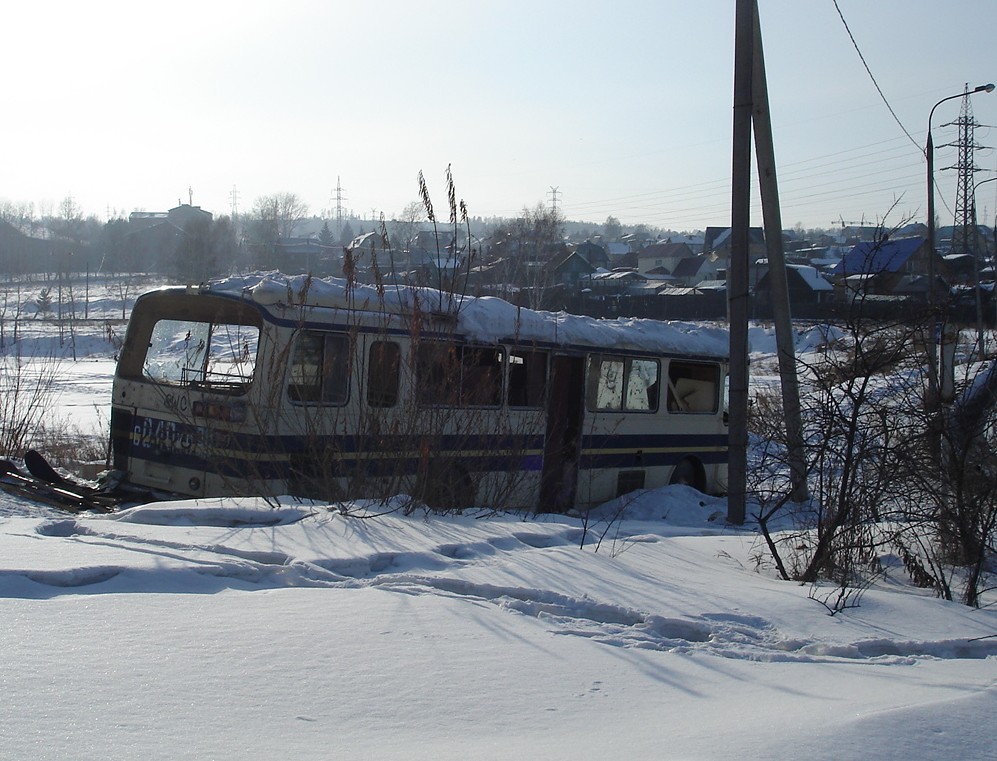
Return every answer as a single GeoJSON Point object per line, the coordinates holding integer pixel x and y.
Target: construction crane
{"type": "Point", "coordinates": [847, 222]}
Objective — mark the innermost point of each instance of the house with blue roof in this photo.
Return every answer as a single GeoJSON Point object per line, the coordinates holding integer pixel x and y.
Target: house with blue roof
{"type": "Point", "coordinates": [884, 267]}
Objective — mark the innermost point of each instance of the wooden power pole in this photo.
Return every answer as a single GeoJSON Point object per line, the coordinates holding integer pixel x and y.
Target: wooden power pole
{"type": "Point", "coordinates": [778, 285]}
{"type": "Point", "coordinates": [737, 274]}
{"type": "Point", "coordinates": [751, 109]}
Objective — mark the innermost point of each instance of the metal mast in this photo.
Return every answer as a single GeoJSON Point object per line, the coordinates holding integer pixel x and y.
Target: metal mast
{"type": "Point", "coordinates": [339, 208]}
{"type": "Point", "coordinates": [964, 236]}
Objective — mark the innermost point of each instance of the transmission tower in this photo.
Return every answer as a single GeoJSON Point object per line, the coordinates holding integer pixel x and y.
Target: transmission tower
{"type": "Point", "coordinates": [553, 193]}
{"type": "Point", "coordinates": [964, 237]}
{"type": "Point", "coordinates": [339, 208]}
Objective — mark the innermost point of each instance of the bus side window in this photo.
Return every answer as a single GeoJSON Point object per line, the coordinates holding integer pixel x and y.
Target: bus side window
{"type": "Point", "coordinates": [642, 385]}
{"type": "Point", "coordinates": [605, 383]}
{"type": "Point", "coordinates": [320, 368]}
{"type": "Point", "coordinates": [617, 383]}
{"type": "Point", "coordinates": [457, 375]}
{"type": "Point", "coordinates": [383, 369]}
{"type": "Point", "coordinates": [481, 377]}
{"type": "Point", "coordinates": [436, 373]}
{"type": "Point", "coordinates": [693, 387]}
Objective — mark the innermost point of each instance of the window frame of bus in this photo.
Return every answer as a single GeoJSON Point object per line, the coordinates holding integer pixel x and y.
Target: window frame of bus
{"type": "Point", "coordinates": [703, 368]}
{"type": "Point", "coordinates": [440, 390]}
{"type": "Point", "coordinates": [594, 377]}
{"type": "Point", "coordinates": [322, 386]}
{"type": "Point", "coordinates": [206, 364]}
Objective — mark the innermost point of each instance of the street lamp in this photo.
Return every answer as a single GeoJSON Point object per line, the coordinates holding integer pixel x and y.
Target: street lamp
{"type": "Point", "coordinates": [976, 267]}
{"type": "Point", "coordinates": [976, 270]}
{"type": "Point", "coordinates": [929, 155]}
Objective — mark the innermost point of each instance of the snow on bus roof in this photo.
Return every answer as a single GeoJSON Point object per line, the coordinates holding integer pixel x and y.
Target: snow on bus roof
{"type": "Point", "coordinates": [484, 319]}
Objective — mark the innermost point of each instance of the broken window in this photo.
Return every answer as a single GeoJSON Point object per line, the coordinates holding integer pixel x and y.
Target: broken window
{"type": "Point", "coordinates": [208, 354]}
{"type": "Point", "coordinates": [693, 387]}
{"type": "Point", "coordinates": [623, 383]}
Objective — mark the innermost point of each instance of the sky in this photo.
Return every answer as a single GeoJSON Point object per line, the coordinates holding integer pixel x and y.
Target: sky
{"type": "Point", "coordinates": [617, 108]}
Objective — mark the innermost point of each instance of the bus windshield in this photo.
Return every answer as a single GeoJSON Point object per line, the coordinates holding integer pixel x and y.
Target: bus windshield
{"type": "Point", "coordinates": [194, 353]}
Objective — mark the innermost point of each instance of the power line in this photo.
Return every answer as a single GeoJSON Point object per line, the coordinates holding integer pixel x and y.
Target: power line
{"type": "Point", "coordinates": [873, 78]}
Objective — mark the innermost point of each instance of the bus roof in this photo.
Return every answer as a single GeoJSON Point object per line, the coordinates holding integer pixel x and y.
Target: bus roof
{"type": "Point", "coordinates": [484, 319]}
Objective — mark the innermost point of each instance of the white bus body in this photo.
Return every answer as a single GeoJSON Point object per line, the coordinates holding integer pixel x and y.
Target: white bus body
{"type": "Point", "coordinates": [273, 385]}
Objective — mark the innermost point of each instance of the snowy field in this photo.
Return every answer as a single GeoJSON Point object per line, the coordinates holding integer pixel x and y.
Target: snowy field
{"type": "Point", "coordinates": [236, 629]}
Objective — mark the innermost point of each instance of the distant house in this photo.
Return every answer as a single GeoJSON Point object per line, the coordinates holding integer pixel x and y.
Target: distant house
{"type": "Point", "coordinates": [307, 255]}
{"type": "Point", "coordinates": [20, 253]}
{"type": "Point", "coordinates": [184, 213]}
{"type": "Point", "coordinates": [138, 220]}
{"type": "Point", "coordinates": [616, 251]}
{"type": "Point", "coordinates": [695, 269]}
{"type": "Point", "coordinates": [806, 285]}
{"type": "Point", "coordinates": [151, 244]}
{"type": "Point", "coordinates": [433, 255]}
{"type": "Point", "coordinates": [594, 254]}
{"type": "Point", "coordinates": [616, 282]}
{"type": "Point", "coordinates": [896, 266]}
{"type": "Point", "coordinates": [694, 241]}
{"type": "Point", "coordinates": [571, 270]}
{"type": "Point", "coordinates": [658, 256]}
{"type": "Point", "coordinates": [717, 240]}
{"type": "Point", "coordinates": [852, 234]}
{"type": "Point", "coordinates": [960, 269]}
{"type": "Point", "coordinates": [959, 240]}
{"type": "Point", "coordinates": [912, 230]}
{"type": "Point", "coordinates": [153, 237]}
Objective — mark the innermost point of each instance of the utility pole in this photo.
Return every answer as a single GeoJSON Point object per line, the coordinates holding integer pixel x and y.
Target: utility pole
{"type": "Point", "coordinates": [737, 276]}
{"type": "Point", "coordinates": [778, 284]}
{"type": "Point", "coordinates": [751, 109]}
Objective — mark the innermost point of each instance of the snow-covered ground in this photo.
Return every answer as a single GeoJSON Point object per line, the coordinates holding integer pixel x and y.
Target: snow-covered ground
{"type": "Point", "coordinates": [238, 629]}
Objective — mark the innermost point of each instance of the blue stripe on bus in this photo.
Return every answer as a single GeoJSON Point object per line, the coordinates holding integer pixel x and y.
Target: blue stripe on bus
{"type": "Point", "coordinates": [245, 455]}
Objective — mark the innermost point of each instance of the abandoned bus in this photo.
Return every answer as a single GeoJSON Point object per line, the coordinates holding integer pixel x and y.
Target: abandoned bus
{"type": "Point", "coordinates": [279, 385]}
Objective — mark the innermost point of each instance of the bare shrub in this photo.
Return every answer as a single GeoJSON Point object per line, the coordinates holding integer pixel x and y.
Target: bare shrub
{"type": "Point", "coordinates": [888, 473]}
{"type": "Point", "coordinates": [25, 400]}
{"type": "Point", "coordinates": [858, 427]}
{"type": "Point", "coordinates": [951, 542]}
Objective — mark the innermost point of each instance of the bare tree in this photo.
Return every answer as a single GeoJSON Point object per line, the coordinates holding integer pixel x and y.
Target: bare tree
{"type": "Point", "coordinates": [403, 229]}
{"type": "Point", "coordinates": [532, 244]}
{"type": "Point", "coordinates": [70, 220]}
{"type": "Point", "coordinates": [17, 214]}
{"type": "Point", "coordinates": [612, 229]}
{"type": "Point", "coordinates": [284, 211]}
{"type": "Point", "coordinates": [274, 217]}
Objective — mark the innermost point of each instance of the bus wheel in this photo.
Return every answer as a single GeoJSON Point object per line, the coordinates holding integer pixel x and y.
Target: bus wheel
{"type": "Point", "coordinates": [689, 473]}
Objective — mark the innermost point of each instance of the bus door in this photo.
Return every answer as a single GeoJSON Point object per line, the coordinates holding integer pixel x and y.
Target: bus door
{"type": "Point", "coordinates": [563, 442]}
